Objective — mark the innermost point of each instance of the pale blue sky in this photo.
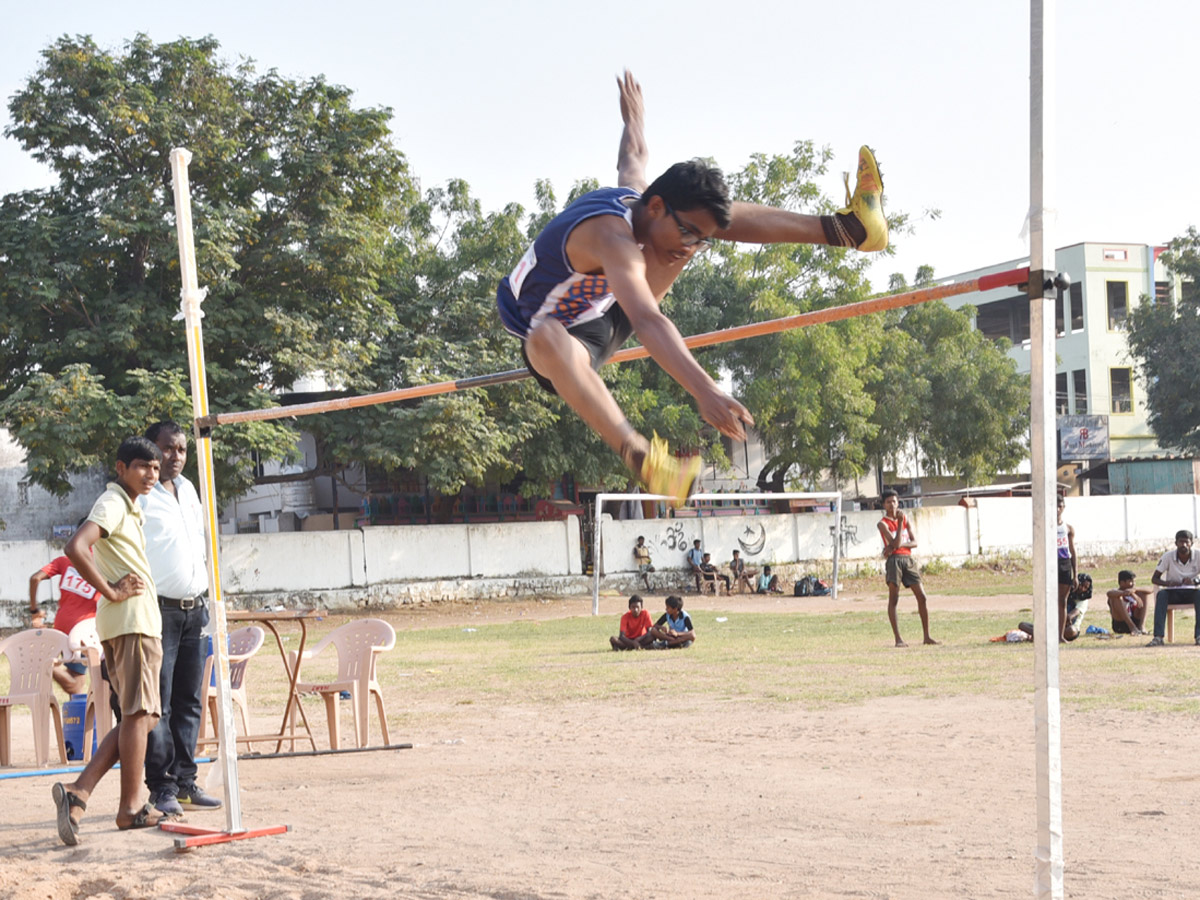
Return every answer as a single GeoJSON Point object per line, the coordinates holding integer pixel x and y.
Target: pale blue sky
{"type": "Point", "coordinates": [501, 94]}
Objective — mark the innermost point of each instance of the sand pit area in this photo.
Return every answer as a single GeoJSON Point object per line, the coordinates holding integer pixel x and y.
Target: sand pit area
{"type": "Point", "coordinates": [662, 791]}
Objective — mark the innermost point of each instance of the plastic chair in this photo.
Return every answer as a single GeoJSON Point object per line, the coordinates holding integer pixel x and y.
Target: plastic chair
{"type": "Point", "coordinates": [243, 644]}
{"type": "Point", "coordinates": [358, 646]}
{"type": "Point", "coordinates": [85, 643]}
{"type": "Point", "coordinates": [31, 657]}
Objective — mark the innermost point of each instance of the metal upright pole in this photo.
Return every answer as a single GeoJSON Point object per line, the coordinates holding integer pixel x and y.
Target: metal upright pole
{"type": "Point", "coordinates": [192, 297]}
{"type": "Point", "coordinates": [1042, 295]}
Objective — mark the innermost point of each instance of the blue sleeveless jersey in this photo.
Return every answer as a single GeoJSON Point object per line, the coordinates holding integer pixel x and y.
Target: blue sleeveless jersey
{"type": "Point", "coordinates": [544, 284]}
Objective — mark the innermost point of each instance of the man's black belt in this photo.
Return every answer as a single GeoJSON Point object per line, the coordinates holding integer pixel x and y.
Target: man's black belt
{"type": "Point", "coordinates": [181, 602]}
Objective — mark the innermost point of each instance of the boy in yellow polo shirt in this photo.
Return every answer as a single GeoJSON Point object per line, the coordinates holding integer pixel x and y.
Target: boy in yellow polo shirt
{"type": "Point", "coordinates": [129, 624]}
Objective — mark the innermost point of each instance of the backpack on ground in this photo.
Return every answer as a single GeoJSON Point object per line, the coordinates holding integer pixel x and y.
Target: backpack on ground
{"type": "Point", "coordinates": [804, 587]}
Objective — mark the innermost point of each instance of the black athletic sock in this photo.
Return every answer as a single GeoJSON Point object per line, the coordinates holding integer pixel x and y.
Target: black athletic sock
{"type": "Point", "coordinates": [843, 230]}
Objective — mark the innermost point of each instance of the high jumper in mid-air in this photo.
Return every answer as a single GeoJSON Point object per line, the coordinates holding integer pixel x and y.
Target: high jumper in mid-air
{"type": "Point", "coordinates": [599, 270]}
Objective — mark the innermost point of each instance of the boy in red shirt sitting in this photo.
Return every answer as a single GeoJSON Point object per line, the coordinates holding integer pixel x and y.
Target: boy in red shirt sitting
{"type": "Point", "coordinates": [635, 628]}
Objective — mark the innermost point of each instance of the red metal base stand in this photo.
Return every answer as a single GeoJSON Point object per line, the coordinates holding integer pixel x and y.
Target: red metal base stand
{"type": "Point", "coordinates": [202, 837]}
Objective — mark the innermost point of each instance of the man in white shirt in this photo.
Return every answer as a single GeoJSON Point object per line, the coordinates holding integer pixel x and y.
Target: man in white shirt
{"type": "Point", "coordinates": [176, 550]}
{"type": "Point", "coordinates": [1178, 577]}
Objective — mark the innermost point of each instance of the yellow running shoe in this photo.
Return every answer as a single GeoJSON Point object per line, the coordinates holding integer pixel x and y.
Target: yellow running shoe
{"type": "Point", "coordinates": [665, 474]}
{"type": "Point", "coordinates": [866, 203]}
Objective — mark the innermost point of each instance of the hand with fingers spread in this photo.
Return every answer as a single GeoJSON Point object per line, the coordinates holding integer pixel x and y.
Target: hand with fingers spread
{"type": "Point", "coordinates": [724, 413]}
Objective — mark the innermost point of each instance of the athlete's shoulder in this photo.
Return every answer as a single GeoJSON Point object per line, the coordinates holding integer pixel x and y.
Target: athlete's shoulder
{"type": "Point", "coordinates": [604, 199]}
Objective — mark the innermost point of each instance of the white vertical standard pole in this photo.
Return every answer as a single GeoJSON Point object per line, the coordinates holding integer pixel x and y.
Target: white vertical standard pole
{"type": "Point", "coordinates": [1048, 884]}
{"type": "Point", "coordinates": [192, 297]}
{"type": "Point", "coordinates": [837, 543]}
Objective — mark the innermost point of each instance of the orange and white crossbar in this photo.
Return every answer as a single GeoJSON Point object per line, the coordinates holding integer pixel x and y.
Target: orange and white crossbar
{"type": "Point", "coordinates": [191, 298]}
{"type": "Point", "coordinates": [755, 329]}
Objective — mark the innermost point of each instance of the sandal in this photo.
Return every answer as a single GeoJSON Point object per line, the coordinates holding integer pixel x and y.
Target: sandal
{"type": "Point", "coordinates": [141, 819]}
{"type": "Point", "coordinates": [64, 800]}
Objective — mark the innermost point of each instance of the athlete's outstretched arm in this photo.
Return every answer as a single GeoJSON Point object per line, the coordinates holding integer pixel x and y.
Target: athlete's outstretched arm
{"type": "Point", "coordinates": [633, 154]}
{"type": "Point", "coordinates": [609, 240]}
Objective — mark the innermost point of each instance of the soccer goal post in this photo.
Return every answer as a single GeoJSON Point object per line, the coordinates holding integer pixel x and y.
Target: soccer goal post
{"type": "Point", "coordinates": [832, 498]}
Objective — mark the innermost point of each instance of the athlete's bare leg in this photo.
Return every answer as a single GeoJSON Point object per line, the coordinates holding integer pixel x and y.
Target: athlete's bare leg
{"type": "Point", "coordinates": [893, 601]}
{"type": "Point", "coordinates": [564, 361]}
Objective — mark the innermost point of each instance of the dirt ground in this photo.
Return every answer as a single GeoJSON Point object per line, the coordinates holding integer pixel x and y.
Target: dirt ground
{"type": "Point", "coordinates": [899, 797]}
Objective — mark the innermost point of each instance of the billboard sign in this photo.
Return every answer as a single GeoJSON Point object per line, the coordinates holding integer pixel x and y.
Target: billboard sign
{"type": "Point", "coordinates": [1083, 437]}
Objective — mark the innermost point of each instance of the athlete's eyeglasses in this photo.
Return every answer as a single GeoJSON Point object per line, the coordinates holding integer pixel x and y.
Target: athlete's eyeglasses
{"type": "Point", "coordinates": [689, 236]}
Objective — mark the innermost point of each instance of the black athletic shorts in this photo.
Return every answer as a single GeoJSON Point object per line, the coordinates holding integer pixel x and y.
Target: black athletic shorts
{"type": "Point", "coordinates": [602, 337]}
{"type": "Point", "coordinates": [1064, 570]}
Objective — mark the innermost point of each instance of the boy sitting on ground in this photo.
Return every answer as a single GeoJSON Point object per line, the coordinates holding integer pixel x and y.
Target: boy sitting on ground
{"type": "Point", "coordinates": [768, 583]}
{"type": "Point", "coordinates": [673, 630]}
{"type": "Point", "coordinates": [635, 628]}
{"type": "Point", "coordinates": [1128, 605]}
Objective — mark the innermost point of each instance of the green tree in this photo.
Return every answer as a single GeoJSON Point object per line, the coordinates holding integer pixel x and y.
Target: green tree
{"type": "Point", "coordinates": [295, 194]}
{"type": "Point", "coordinates": [1165, 339]}
{"type": "Point", "coordinates": [946, 390]}
{"type": "Point", "coordinates": [806, 387]}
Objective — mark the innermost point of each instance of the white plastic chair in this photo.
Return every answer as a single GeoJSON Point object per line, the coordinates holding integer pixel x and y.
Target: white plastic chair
{"type": "Point", "coordinates": [31, 657]}
{"type": "Point", "coordinates": [85, 643]}
{"type": "Point", "coordinates": [358, 646]}
{"type": "Point", "coordinates": [243, 644]}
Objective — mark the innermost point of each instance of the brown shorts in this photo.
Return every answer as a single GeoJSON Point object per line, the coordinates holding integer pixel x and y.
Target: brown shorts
{"type": "Point", "coordinates": [133, 662]}
{"type": "Point", "coordinates": [902, 569]}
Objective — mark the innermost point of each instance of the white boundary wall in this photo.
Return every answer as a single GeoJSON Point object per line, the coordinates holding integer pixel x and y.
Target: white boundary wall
{"type": "Point", "coordinates": [762, 544]}
{"type": "Point", "coordinates": [398, 560]}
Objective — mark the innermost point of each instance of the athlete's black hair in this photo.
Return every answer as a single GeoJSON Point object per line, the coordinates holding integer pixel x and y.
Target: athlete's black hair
{"type": "Point", "coordinates": [694, 185]}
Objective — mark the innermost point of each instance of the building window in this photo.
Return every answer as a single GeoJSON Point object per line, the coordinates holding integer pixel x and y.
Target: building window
{"type": "Point", "coordinates": [257, 460]}
{"type": "Point", "coordinates": [1118, 303]}
{"type": "Point", "coordinates": [1061, 401]}
{"type": "Point", "coordinates": [1079, 376]}
{"type": "Point", "coordinates": [1120, 383]}
{"type": "Point", "coordinates": [22, 493]}
{"type": "Point", "coordinates": [1060, 314]}
{"type": "Point", "coordinates": [1116, 254]}
{"type": "Point", "coordinates": [1008, 318]}
{"type": "Point", "coordinates": [995, 319]}
{"type": "Point", "coordinates": [1019, 307]}
{"type": "Point", "coordinates": [1076, 307]}
{"type": "Point", "coordinates": [1162, 293]}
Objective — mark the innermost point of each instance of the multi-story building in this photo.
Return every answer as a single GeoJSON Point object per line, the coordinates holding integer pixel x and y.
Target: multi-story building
{"type": "Point", "coordinates": [1096, 375]}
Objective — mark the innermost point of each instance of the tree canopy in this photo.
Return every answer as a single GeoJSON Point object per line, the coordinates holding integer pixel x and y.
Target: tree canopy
{"type": "Point", "coordinates": [1165, 337]}
{"type": "Point", "coordinates": [295, 195]}
{"type": "Point", "coordinates": [323, 257]}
